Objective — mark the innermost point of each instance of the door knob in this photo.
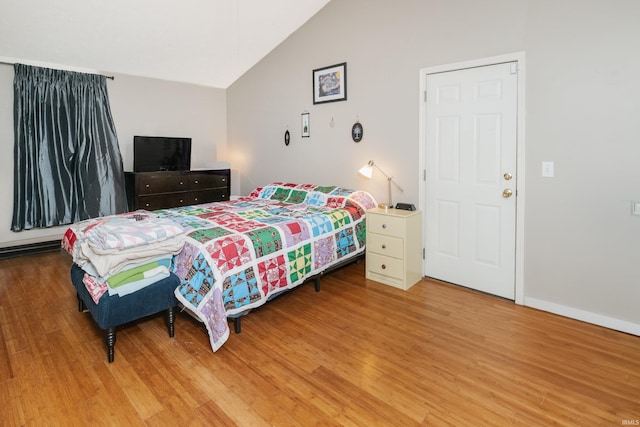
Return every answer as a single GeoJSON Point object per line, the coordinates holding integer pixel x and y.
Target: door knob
{"type": "Point", "coordinates": [506, 193]}
{"type": "Point", "coordinates": [507, 176]}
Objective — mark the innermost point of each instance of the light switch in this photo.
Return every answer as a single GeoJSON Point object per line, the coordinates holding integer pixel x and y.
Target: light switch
{"type": "Point", "coordinates": [547, 169]}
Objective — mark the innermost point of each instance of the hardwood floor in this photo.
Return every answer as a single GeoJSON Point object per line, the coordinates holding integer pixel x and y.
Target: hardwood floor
{"type": "Point", "coordinates": [357, 353]}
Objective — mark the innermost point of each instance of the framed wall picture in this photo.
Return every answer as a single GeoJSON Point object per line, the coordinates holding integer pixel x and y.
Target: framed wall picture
{"type": "Point", "coordinates": [305, 125]}
{"type": "Point", "coordinates": [330, 84]}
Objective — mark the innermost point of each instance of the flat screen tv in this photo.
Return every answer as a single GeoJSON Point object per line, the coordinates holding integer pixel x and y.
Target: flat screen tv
{"type": "Point", "coordinates": [161, 153]}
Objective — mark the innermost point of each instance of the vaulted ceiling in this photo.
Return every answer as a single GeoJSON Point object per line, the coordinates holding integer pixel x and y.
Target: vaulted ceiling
{"type": "Point", "coordinates": [205, 42]}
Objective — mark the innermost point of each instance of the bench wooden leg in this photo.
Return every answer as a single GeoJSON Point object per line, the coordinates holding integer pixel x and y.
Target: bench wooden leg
{"type": "Point", "coordinates": [110, 340]}
{"type": "Point", "coordinates": [81, 306]}
{"type": "Point", "coordinates": [171, 317]}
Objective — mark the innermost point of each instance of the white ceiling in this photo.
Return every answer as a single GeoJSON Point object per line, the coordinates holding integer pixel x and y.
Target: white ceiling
{"type": "Point", "coordinates": [206, 42]}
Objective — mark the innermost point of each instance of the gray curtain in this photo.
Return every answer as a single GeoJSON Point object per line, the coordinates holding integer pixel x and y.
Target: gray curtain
{"type": "Point", "coordinates": [67, 161]}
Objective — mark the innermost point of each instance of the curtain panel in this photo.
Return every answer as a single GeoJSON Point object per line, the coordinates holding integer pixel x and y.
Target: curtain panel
{"type": "Point", "coordinates": [67, 161]}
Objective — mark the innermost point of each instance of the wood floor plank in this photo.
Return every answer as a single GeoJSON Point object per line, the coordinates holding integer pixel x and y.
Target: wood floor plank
{"type": "Point", "coordinates": [356, 353]}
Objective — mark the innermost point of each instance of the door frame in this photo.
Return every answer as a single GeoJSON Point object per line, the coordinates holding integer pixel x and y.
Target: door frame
{"type": "Point", "coordinates": [519, 58]}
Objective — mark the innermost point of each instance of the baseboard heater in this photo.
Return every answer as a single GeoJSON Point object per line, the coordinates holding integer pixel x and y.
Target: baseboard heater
{"type": "Point", "coordinates": [30, 249]}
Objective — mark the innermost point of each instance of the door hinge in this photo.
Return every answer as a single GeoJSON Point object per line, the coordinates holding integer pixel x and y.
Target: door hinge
{"type": "Point", "coordinates": [425, 96]}
{"type": "Point", "coordinates": [424, 174]}
{"type": "Point", "coordinates": [424, 253]}
{"type": "Point", "coordinates": [514, 68]}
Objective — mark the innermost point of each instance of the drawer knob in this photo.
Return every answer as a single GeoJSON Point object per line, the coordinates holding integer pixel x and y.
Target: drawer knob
{"type": "Point", "coordinates": [147, 204]}
{"type": "Point", "coordinates": [384, 267]}
{"type": "Point", "coordinates": [147, 186]}
{"type": "Point", "coordinates": [384, 225]}
{"type": "Point", "coordinates": [181, 182]}
{"type": "Point", "coordinates": [195, 182]}
{"type": "Point", "coordinates": [384, 246]}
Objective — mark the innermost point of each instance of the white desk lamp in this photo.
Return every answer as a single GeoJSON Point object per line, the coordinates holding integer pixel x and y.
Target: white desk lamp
{"type": "Point", "coordinates": [367, 171]}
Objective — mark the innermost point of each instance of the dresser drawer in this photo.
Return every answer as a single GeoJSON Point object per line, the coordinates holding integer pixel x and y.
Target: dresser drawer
{"type": "Point", "coordinates": [162, 201]}
{"type": "Point", "coordinates": [384, 265]}
{"type": "Point", "coordinates": [167, 189]}
{"type": "Point", "coordinates": [385, 245]}
{"type": "Point", "coordinates": [161, 183]}
{"type": "Point", "coordinates": [385, 224]}
{"type": "Point", "coordinates": [207, 196]}
{"type": "Point", "coordinates": [200, 181]}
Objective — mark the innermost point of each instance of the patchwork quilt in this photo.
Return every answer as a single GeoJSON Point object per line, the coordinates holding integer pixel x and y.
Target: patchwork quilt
{"type": "Point", "coordinates": [237, 254]}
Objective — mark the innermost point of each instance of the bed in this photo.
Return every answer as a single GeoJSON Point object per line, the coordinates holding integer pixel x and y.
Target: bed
{"type": "Point", "coordinates": [237, 255]}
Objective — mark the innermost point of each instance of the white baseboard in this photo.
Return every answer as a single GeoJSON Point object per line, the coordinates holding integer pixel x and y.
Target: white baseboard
{"type": "Point", "coordinates": [585, 316]}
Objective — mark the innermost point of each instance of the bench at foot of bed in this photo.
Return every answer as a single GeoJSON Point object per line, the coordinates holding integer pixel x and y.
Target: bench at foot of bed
{"type": "Point", "coordinates": [113, 310]}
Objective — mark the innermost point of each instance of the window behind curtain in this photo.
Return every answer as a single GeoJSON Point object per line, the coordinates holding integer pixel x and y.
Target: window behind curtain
{"type": "Point", "coordinates": [67, 161]}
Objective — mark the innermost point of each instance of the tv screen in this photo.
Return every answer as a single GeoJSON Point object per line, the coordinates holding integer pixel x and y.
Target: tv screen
{"type": "Point", "coordinates": [160, 153]}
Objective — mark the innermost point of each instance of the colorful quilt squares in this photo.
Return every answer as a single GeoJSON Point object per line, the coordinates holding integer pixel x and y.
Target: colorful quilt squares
{"type": "Point", "coordinates": [320, 224]}
{"type": "Point", "coordinates": [281, 194]}
{"type": "Point", "coordinates": [198, 282]}
{"type": "Point", "coordinates": [265, 241]}
{"type": "Point", "coordinates": [340, 218]}
{"type": "Point", "coordinates": [294, 232]}
{"type": "Point", "coordinates": [299, 262]}
{"type": "Point", "coordinates": [324, 253]}
{"type": "Point", "coordinates": [345, 243]}
{"type": "Point", "coordinates": [203, 235]}
{"type": "Point", "coordinates": [229, 252]}
{"type": "Point", "coordinates": [214, 312]}
{"type": "Point", "coordinates": [296, 197]}
{"type": "Point", "coordinates": [273, 274]}
{"type": "Point", "coordinates": [240, 289]}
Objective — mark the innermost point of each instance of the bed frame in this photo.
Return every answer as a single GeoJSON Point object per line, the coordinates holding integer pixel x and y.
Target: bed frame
{"type": "Point", "coordinates": [237, 318]}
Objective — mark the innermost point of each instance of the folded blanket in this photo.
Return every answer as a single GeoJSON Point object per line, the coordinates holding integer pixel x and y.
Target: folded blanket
{"type": "Point", "coordinates": [96, 290]}
{"type": "Point", "coordinates": [110, 262]}
{"type": "Point", "coordinates": [128, 234]}
{"type": "Point", "coordinates": [137, 273]}
{"type": "Point", "coordinates": [88, 267]}
{"type": "Point", "coordinates": [78, 232]}
{"type": "Point", "coordinates": [153, 276]}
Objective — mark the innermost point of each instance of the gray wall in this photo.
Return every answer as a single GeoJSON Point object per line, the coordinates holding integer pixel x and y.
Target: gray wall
{"type": "Point", "coordinates": [139, 106]}
{"type": "Point", "coordinates": [582, 98]}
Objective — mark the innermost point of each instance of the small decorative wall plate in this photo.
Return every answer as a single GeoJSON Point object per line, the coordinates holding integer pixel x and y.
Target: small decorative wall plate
{"type": "Point", "coordinates": [287, 137]}
{"type": "Point", "coordinates": [357, 132]}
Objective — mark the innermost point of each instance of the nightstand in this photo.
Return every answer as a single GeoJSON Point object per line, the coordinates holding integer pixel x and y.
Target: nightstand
{"type": "Point", "coordinates": [394, 247]}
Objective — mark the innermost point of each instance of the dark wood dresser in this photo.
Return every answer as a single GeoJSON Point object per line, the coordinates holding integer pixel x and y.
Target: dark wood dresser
{"type": "Point", "coordinates": [169, 189]}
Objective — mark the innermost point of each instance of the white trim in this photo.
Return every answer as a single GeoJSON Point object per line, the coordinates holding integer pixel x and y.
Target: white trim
{"type": "Point", "coordinates": [584, 316]}
{"type": "Point", "coordinates": [518, 57]}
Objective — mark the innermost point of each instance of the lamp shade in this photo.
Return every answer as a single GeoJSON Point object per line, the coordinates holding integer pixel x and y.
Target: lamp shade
{"type": "Point", "coordinates": [366, 170]}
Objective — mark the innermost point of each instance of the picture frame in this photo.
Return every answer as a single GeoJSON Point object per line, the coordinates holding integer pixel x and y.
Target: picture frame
{"type": "Point", "coordinates": [330, 83]}
{"type": "Point", "coordinates": [304, 125]}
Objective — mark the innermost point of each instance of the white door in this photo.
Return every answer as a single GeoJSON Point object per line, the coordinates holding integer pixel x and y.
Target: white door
{"type": "Point", "coordinates": [470, 201]}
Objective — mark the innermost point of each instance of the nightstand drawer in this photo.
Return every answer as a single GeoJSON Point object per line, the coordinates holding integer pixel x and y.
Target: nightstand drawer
{"type": "Point", "coordinates": [385, 245]}
{"type": "Point", "coordinates": [387, 266]}
{"type": "Point", "coordinates": [386, 224]}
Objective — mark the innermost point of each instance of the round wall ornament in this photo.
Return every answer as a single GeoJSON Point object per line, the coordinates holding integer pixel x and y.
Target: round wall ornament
{"type": "Point", "coordinates": [357, 132]}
